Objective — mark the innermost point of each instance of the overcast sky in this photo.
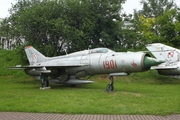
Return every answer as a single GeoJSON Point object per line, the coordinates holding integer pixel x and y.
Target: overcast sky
{"type": "Point", "coordinates": [128, 6]}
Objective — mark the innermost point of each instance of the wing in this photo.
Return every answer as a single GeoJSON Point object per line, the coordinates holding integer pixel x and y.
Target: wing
{"type": "Point", "coordinates": [39, 66]}
{"type": "Point", "coordinates": [37, 70]}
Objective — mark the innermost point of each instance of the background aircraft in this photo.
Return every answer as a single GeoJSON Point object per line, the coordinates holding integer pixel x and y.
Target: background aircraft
{"type": "Point", "coordinates": [172, 57]}
{"type": "Point", "coordinates": [68, 69]}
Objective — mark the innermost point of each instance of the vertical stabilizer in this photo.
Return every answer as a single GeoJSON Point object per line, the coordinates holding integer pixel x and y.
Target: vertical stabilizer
{"type": "Point", "coordinates": [164, 52]}
{"type": "Point", "coordinates": [34, 56]}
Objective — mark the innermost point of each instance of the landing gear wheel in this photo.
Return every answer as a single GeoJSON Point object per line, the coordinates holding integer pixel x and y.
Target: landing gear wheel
{"type": "Point", "coordinates": [110, 87]}
{"type": "Point", "coordinates": [44, 82]}
{"type": "Point", "coordinates": [47, 83]}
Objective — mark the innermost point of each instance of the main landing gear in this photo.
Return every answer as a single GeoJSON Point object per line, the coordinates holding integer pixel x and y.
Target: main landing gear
{"type": "Point", "coordinates": [44, 82]}
{"type": "Point", "coordinates": [110, 86]}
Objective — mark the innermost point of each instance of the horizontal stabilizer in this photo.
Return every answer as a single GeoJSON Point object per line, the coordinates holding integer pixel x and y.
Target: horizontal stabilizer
{"type": "Point", "coordinates": [16, 68]}
{"type": "Point", "coordinates": [23, 67]}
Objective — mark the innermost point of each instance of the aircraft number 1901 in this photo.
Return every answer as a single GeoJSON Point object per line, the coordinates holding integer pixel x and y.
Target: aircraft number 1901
{"type": "Point", "coordinates": [110, 65]}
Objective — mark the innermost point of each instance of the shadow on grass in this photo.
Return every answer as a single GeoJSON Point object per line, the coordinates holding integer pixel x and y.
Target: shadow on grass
{"type": "Point", "coordinates": [152, 77]}
{"type": "Point", "coordinates": [36, 84]}
{"type": "Point", "coordinates": [66, 86]}
{"type": "Point", "coordinates": [167, 80]}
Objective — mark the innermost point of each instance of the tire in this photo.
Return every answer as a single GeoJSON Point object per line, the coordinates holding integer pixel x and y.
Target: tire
{"type": "Point", "coordinates": [109, 88]}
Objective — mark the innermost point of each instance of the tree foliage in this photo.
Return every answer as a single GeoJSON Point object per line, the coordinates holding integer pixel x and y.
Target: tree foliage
{"type": "Point", "coordinates": [155, 8]}
{"type": "Point", "coordinates": [156, 22]}
{"type": "Point", "coordinates": [54, 25]}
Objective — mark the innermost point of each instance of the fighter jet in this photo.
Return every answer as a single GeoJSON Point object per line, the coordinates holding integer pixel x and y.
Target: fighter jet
{"type": "Point", "coordinates": [169, 54]}
{"type": "Point", "coordinates": [70, 68]}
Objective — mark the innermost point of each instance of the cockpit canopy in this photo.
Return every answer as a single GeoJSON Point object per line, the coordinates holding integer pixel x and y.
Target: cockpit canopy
{"type": "Point", "coordinates": [91, 51]}
{"type": "Point", "coordinates": [100, 50]}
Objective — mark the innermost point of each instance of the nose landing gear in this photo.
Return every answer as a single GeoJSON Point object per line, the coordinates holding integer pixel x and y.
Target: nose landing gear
{"type": "Point", "coordinates": [110, 86]}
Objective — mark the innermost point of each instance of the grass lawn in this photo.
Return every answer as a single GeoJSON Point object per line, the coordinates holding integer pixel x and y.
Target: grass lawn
{"type": "Point", "coordinates": [141, 93]}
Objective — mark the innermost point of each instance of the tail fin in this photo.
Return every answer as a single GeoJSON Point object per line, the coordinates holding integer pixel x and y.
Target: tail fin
{"type": "Point", "coordinates": [34, 56]}
{"type": "Point", "coordinates": [164, 52]}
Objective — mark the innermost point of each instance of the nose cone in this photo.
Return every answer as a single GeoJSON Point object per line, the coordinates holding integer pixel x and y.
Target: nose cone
{"type": "Point", "coordinates": [148, 62]}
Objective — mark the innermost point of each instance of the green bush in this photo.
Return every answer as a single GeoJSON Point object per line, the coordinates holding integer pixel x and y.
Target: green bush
{"type": "Point", "coordinates": [11, 58]}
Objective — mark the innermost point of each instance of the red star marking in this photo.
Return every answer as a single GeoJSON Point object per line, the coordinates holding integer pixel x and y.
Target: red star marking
{"type": "Point", "coordinates": [133, 64]}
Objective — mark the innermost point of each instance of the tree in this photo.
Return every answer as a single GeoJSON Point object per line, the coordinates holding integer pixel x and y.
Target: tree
{"type": "Point", "coordinates": [165, 27]}
{"type": "Point", "coordinates": [52, 25]}
{"type": "Point", "coordinates": [152, 22]}
{"type": "Point", "coordinates": [155, 8]}
{"type": "Point", "coordinates": [107, 22]}
{"type": "Point", "coordinates": [177, 28]}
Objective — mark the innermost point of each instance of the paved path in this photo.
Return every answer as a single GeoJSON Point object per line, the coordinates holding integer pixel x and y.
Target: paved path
{"type": "Point", "coordinates": [49, 116]}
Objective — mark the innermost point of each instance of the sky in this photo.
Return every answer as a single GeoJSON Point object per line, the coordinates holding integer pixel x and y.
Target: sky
{"type": "Point", "coordinates": [127, 7]}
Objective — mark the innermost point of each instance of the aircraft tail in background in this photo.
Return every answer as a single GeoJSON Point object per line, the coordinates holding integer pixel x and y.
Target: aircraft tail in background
{"type": "Point", "coordinates": [164, 52]}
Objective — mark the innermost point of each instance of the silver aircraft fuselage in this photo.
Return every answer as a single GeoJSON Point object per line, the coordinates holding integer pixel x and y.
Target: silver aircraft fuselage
{"type": "Point", "coordinates": [91, 62]}
{"type": "Point", "coordinates": [68, 69]}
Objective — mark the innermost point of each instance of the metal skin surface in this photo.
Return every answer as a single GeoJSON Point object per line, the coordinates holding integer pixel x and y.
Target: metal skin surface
{"type": "Point", "coordinates": [68, 69]}
{"type": "Point", "coordinates": [170, 55]}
